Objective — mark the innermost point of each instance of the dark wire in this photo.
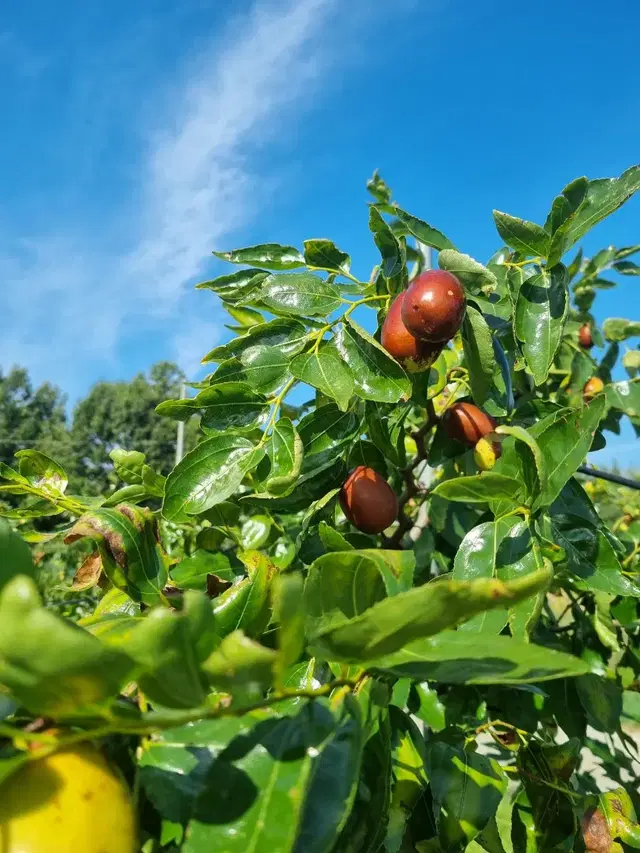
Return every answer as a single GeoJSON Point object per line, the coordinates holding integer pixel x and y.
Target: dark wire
{"type": "Point", "coordinates": [612, 478]}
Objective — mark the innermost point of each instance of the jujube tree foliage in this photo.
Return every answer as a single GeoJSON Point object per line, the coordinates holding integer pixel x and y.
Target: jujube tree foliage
{"type": "Point", "coordinates": [381, 613]}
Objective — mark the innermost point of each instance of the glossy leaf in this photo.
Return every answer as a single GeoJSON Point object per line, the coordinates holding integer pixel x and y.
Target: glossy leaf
{"type": "Point", "coordinates": [271, 256]}
{"type": "Point", "coordinates": [473, 275]}
{"type": "Point", "coordinates": [236, 286]}
{"type": "Point", "coordinates": [540, 313]}
{"type": "Point", "coordinates": [467, 789]}
{"type": "Point", "coordinates": [478, 350]}
{"type": "Point", "coordinates": [327, 372]}
{"type": "Point", "coordinates": [456, 657]}
{"type": "Point", "coordinates": [50, 665]}
{"type": "Point", "coordinates": [387, 243]}
{"type": "Point", "coordinates": [495, 549]}
{"type": "Point", "coordinates": [129, 550]}
{"type": "Point", "coordinates": [300, 294]}
{"type": "Point", "coordinates": [618, 329]}
{"type": "Point", "coordinates": [325, 255]}
{"type": "Point", "coordinates": [245, 605]}
{"type": "Point", "coordinates": [285, 453]}
{"type": "Point", "coordinates": [562, 211]}
{"type": "Point", "coordinates": [377, 376]}
{"type": "Point", "coordinates": [423, 232]}
{"type": "Point", "coordinates": [208, 475]}
{"type": "Point", "coordinates": [226, 406]}
{"type": "Point", "coordinates": [265, 368]}
{"type": "Point", "coordinates": [288, 612]}
{"type": "Point", "coordinates": [409, 757]}
{"type": "Point", "coordinates": [15, 555]}
{"type": "Point", "coordinates": [479, 488]}
{"type": "Point", "coordinates": [287, 334]}
{"type": "Point", "coordinates": [603, 197]}
{"type": "Point", "coordinates": [42, 471]}
{"type": "Point", "coordinates": [523, 236]}
{"type": "Point", "coordinates": [420, 612]}
{"type": "Point", "coordinates": [128, 465]}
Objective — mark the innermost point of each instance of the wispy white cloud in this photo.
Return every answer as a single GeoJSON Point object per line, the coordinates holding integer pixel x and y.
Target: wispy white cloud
{"type": "Point", "coordinates": [66, 295]}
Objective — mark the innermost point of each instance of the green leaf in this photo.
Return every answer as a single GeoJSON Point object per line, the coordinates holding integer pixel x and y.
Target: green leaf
{"type": "Point", "coordinates": [540, 314]}
{"type": "Point", "coordinates": [376, 375]}
{"type": "Point", "coordinates": [387, 243]}
{"type": "Point", "coordinates": [15, 555]}
{"type": "Point", "coordinates": [288, 612]}
{"type": "Point", "coordinates": [618, 329]}
{"type": "Point", "coordinates": [423, 232]}
{"type": "Point", "coordinates": [591, 556]}
{"type": "Point", "coordinates": [127, 538]}
{"type": "Point", "coordinates": [300, 294]}
{"type": "Point", "coordinates": [289, 335]}
{"type": "Point", "coordinates": [171, 648]}
{"type": "Point", "coordinates": [128, 465]}
{"type": "Point", "coordinates": [467, 789]}
{"type": "Point", "coordinates": [265, 368]}
{"type": "Point", "coordinates": [271, 256]}
{"type": "Point", "coordinates": [624, 396]}
{"type": "Point", "coordinates": [627, 268]}
{"type": "Point", "coordinates": [223, 776]}
{"type": "Point", "coordinates": [523, 236]}
{"type": "Point", "coordinates": [495, 549]}
{"type": "Point", "coordinates": [208, 475]}
{"type": "Point", "coordinates": [473, 275]}
{"type": "Point", "coordinates": [50, 665]}
{"type": "Point", "coordinates": [285, 452]}
{"type": "Point", "coordinates": [245, 605]}
{"type": "Point", "coordinates": [564, 439]}
{"type": "Point", "coordinates": [325, 255]}
{"type": "Point", "coordinates": [603, 197]}
{"type": "Point", "coordinates": [456, 657]}
{"type": "Point", "coordinates": [228, 405]}
{"type": "Point", "coordinates": [245, 317]}
{"type": "Point", "coordinates": [552, 810]}
{"type": "Point", "coordinates": [340, 586]}
{"type": "Point", "coordinates": [479, 488]}
{"type": "Point", "coordinates": [328, 373]}
{"type": "Point", "coordinates": [237, 286]}
{"type": "Point", "coordinates": [601, 699]}
{"type": "Point", "coordinates": [42, 471]}
{"type": "Point", "coordinates": [240, 663]}
{"type": "Point", "coordinates": [325, 432]}
{"type": "Point", "coordinates": [192, 572]}
{"type": "Point", "coordinates": [331, 788]}
{"type": "Point", "coordinates": [378, 188]}
{"type": "Point", "coordinates": [478, 351]}
{"type": "Point", "coordinates": [420, 612]}
{"type": "Point", "coordinates": [408, 757]}
{"type": "Point", "coordinates": [562, 211]}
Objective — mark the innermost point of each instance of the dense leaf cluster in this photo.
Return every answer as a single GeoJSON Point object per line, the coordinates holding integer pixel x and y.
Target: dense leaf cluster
{"type": "Point", "coordinates": [273, 680]}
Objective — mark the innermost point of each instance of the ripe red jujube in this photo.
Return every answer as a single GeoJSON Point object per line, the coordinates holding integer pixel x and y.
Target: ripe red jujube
{"type": "Point", "coordinates": [467, 424]}
{"type": "Point", "coordinates": [402, 345]}
{"type": "Point", "coordinates": [368, 501]}
{"type": "Point", "coordinates": [433, 306]}
{"type": "Point", "coordinates": [585, 337]}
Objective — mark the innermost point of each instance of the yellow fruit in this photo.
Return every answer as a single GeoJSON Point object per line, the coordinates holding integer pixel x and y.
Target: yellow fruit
{"type": "Point", "coordinates": [68, 802]}
{"type": "Point", "coordinates": [485, 454]}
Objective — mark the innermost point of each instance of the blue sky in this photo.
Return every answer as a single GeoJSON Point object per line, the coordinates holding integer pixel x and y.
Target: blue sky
{"type": "Point", "coordinates": [138, 136]}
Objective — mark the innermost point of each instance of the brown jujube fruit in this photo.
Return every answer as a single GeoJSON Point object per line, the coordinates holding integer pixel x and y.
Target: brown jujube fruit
{"type": "Point", "coordinates": [433, 306]}
{"type": "Point", "coordinates": [467, 424]}
{"type": "Point", "coordinates": [592, 387]}
{"type": "Point", "coordinates": [368, 501]}
{"type": "Point", "coordinates": [402, 345]}
{"type": "Point", "coordinates": [585, 337]}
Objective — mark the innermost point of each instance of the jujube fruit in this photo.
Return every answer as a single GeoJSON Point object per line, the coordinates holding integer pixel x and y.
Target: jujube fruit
{"type": "Point", "coordinates": [398, 341]}
{"type": "Point", "coordinates": [486, 453]}
{"type": "Point", "coordinates": [585, 337]}
{"type": "Point", "coordinates": [433, 306]}
{"type": "Point", "coordinates": [368, 501]}
{"type": "Point", "coordinates": [467, 424]}
{"type": "Point", "coordinates": [592, 387]}
{"type": "Point", "coordinates": [71, 800]}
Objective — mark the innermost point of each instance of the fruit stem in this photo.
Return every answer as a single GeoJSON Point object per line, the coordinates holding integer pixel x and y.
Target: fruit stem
{"type": "Point", "coordinates": [277, 402]}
